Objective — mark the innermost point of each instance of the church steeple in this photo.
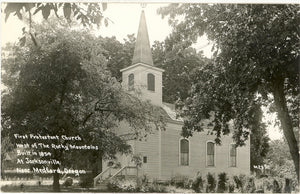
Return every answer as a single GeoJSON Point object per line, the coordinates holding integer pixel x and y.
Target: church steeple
{"type": "Point", "coordinates": [142, 78]}
{"type": "Point", "coordinates": [142, 51]}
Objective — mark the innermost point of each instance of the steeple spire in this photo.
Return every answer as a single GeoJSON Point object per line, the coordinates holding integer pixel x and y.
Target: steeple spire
{"type": "Point", "coordinates": [142, 50]}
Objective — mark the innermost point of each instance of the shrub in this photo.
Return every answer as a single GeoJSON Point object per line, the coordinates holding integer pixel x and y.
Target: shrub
{"type": "Point", "coordinates": [231, 188]}
{"type": "Point", "coordinates": [116, 185]}
{"type": "Point", "coordinates": [117, 165]}
{"type": "Point", "coordinates": [137, 160]}
{"type": "Point", "coordinates": [142, 183]}
{"type": "Point", "coordinates": [68, 182]}
{"type": "Point", "coordinates": [112, 186]}
{"type": "Point", "coordinates": [281, 183]}
{"type": "Point", "coordinates": [276, 187]}
{"type": "Point", "coordinates": [240, 182]}
{"type": "Point", "coordinates": [250, 185]}
{"type": "Point", "coordinates": [263, 176]}
{"type": "Point", "coordinates": [123, 185]}
{"type": "Point", "coordinates": [128, 186]}
{"type": "Point", "coordinates": [259, 182]}
{"type": "Point", "coordinates": [86, 181]}
{"type": "Point", "coordinates": [181, 181]}
{"type": "Point", "coordinates": [110, 163]}
{"type": "Point", "coordinates": [237, 182]}
{"type": "Point", "coordinates": [188, 183]}
{"type": "Point", "coordinates": [197, 185]}
{"type": "Point", "coordinates": [222, 182]}
{"type": "Point", "coordinates": [144, 179]}
{"type": "Point", "coordinates": [154, 188]}
{"type": "Point", "coordinates": [211, 183]}
{"type": "Point", "coordinates": [287, 186]}
{"type": "Point", "coordinates": [268, 184]}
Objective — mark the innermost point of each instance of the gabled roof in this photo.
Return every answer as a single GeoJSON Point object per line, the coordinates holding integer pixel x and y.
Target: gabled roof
{"type": "Point", "coordinates": [142, 51]}
{"type": "Point", "coordinates": [144, 65]}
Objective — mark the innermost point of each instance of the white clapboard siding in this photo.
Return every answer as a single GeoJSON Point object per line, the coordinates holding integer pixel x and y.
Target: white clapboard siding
{"type": "Point", "coordinates": [162, 152]}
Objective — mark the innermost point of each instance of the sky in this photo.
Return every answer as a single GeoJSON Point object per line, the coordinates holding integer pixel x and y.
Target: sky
{"type": "Point", "coordinates": [125, 20]}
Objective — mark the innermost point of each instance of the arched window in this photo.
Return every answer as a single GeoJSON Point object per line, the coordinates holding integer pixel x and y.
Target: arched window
{"type": "Point", "coordinates": [130, 81]}
{"type": "Point", "coordinates": [184, 152]}
{"type": "Point", "coordinates": [151, 82]}
{"type": "Point", "coordinates": [210, 153]}
{"type": "Point", "coordinates": [232, 157]}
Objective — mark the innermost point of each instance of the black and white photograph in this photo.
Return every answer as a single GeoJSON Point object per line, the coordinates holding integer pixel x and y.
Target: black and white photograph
{"type": "Point", "coordinates": [150, 97]}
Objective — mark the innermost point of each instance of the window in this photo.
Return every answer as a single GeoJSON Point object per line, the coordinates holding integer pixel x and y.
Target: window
{"type": "Point", "coordinates": [184, 152]}
{"type": "Point", "coordinates": [151, 82]}
{"type": "Point", "coordinates": [145, 159]}
{"type": "Point", "coordinates": [131, 82]}
{"type": "Point", "coordinates": [232, 159]}
{"type": "Point", "coordinates": [210, 154]}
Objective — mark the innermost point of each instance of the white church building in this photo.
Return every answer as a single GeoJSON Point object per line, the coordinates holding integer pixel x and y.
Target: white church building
{"type": "Point", "coordinates": [165, 153]}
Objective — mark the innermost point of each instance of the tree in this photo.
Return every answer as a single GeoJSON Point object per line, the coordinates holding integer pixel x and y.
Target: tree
{"type": "Point", "coordinates": [88, 14]}
{"type": "Point", "coordinates": [63, 87]}
{"type": "Point", "coordinates": [256, 55]}
{"type": "Point", "coordinates": [174, 57]}
{"type": "Point", "coordinates": [279, 161]}
{"type": "Point", "coordinates": [178, 60]}
{"type": "Point", "coordinates": [259, 140]}
{"type": "Point", "coordinates": [259, 147]}
{"type": "Point", "coordinates": [117, 54]}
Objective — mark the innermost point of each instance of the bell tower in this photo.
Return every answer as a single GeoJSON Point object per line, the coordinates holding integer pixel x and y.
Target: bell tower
{"type": "Point", "coordinates": [142, 77]}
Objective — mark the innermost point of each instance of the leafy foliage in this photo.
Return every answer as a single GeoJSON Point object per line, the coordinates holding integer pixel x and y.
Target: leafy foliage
{"type": "Point", "coordinates": [250, 185]}
{"type": "Point", "coordinates": [68, 182]}
{"type": "Point", "coordinates": [87, 13]}
{"type": "Point", "coordinates": [259, 140]}
{"type": "Point", "coordinates": [276, 187]}
{"type": "Point", "coordinates": [222, 182]}
{"type": "Point", "coordinates": [287, 186]}
{"type": "Point", "coordinates": [178, 60]}
{"type": "Point", "coordinates": [64, 88]}
{"type": "Point", "coordinates": [137, 160]}
{"type": "Point", "coordinates": [211, 183]}
{"type": "Point", "coordinates": [123, 185]}
{"type": "Point", "coordinates": [6, 148]}
{"type": "Point", "coordinates": [230, 188]}
{"type": "Point", "coordinates": [153, 188]}
{"type": "Point", "coordinates": [117, 54]}
{"type": "Point", "coordinates": [239, 181]}
{"type": "Point", "coordinates": [279, 162]}
{"type": "Point", "coordinates": [86, 181]}
{"type": "Point", "coordinates": [116, 185]}
{"type": "Point", "coordinates": [256, 53]}
{"type": "Point", "coordinates": [180, 181]}
{"type": "Point", "coordinates": [197, 185]}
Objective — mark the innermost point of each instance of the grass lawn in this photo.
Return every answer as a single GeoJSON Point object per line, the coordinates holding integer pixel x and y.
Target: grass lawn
{"type": "Point", "coordinates": [173, 189]}
{"type": "Point", "coordinates": [47, 189]}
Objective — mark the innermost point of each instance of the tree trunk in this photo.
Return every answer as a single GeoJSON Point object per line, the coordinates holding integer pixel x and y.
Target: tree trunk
{"type": "Point", "coordinates": [286, 122]}
{"type": "Point", "coordinates": [56, 186]}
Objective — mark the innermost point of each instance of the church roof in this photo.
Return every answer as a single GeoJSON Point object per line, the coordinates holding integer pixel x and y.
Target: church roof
{"type": "Point", "coordinates": [171, 112]}
{"type": "Point", "coordinates": [144, 65]}
{"type": "Point", "coordinates": [142, 50]}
